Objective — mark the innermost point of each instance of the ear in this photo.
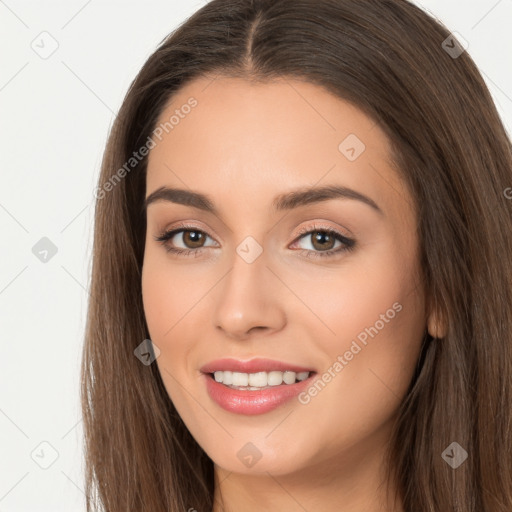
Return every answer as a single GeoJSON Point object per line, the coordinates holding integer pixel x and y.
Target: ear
{"type": "Point", "coordinates": [436, 326]}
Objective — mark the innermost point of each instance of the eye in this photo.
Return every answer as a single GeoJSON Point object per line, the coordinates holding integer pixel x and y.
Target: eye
{"type": "Point", "coordinates": [322, 242]}
{"type": "Point", "coordinates": [191, 238]}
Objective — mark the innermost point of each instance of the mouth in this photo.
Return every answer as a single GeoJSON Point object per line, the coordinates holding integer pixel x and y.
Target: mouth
{"type": "Point", "coordinates": [256, 386]}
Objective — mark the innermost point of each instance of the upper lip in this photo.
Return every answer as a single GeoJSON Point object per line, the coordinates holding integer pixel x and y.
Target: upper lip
{"type": "Point", "coordinates": [251, 366]}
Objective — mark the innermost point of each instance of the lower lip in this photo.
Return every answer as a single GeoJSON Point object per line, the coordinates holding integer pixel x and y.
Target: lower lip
{"type": "Point", "coordinates": [254, 401]}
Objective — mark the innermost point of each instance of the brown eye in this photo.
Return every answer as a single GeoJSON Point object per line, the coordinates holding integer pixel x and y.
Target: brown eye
{"type": "Point", "coordinates": [184, 240]}
{"type": "Point", "coordinates": [193, 239]}
{"type": "Point", "coordinates": [322, 240]}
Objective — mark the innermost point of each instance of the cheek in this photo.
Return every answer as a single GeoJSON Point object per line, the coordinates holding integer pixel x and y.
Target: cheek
{"type": "Point", "coordinates": [370, 295]}
{"type": "Point", "coordinates": [173, 301]}
{"type": "Point", "coordinates": [376, 317]}
{"type": "Point", "coordinates": [158, 302]}
{"type": "Point", "coordinates": [163, 307]}
{"type": "Point", "coordinates": [169, 292]}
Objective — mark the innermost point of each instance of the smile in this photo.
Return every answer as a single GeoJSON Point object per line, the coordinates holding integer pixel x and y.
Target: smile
{"type": "Point", "coordinates": [251, 400]}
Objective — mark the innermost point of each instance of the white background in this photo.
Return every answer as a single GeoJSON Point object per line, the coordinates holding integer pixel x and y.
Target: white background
{"type": "Point", "coordinates": [55, 115]}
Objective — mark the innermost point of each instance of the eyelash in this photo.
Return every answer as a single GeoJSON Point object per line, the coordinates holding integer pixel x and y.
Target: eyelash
{"type": "Point", "coordinates": [348, 243]}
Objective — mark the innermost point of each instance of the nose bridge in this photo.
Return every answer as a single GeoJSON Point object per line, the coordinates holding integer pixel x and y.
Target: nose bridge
{"type": "Point", "coordinates": [248, 298]}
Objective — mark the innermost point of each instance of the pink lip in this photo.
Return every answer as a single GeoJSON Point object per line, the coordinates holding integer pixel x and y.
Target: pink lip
{"type": "Point", "coordinates": [252, 366]}
{"type": "Point", "coordinates": [253, 402]}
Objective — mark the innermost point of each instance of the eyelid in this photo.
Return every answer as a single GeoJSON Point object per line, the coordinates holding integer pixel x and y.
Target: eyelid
{"type": "Point", "coordinates": [319, 226]}
{"type": "Point", "coordinates": [185, 226]}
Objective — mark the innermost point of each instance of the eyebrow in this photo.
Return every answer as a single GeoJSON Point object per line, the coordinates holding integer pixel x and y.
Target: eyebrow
{"type": "Point", "coordinates": [287, 201]}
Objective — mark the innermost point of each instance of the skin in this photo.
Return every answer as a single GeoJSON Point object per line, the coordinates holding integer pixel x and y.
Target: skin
{"type": "Point", "coordinates": [242, 145]}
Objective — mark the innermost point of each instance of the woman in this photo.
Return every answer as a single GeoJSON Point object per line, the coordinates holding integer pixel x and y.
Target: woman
{"type": "Point", "coordinates": [302, 286]}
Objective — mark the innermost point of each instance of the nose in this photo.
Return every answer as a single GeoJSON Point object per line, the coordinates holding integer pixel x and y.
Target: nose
{"type": "Point", "coordinates": [249, 300]}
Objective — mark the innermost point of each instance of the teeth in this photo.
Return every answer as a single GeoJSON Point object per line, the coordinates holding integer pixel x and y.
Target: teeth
{"type": "Point", "coordinates": [240, 379]}
{"type": "Point", "coordinates": [275, 378]}
{"type": "Point", "coordinates": [258, 380]}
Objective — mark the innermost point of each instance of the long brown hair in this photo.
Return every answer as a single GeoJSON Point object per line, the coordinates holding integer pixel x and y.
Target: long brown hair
{"type": "Point", "coordinates": [391, 60]}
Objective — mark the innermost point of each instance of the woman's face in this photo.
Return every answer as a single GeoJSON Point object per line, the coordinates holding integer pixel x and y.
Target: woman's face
{"type": "Point", "coordinates": [323, 282]}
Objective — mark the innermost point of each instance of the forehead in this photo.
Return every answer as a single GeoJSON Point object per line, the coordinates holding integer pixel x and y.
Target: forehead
{"type": "Point", "coordinates": [263, 138]}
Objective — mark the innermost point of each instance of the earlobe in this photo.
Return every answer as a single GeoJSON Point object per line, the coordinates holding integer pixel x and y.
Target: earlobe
{"type": "Point", "coordinates": [435, 326]}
